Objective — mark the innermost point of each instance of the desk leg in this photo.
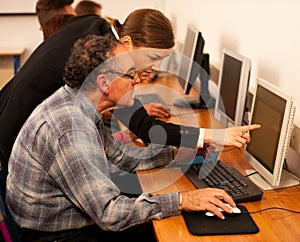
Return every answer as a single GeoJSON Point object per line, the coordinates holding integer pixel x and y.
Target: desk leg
{"type": "Point", "coordinates": [16, 63]}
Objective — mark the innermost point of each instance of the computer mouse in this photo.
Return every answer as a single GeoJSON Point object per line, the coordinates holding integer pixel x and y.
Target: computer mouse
{"type": "Point", "coordinates": [209, 214]}
{"type": "Point", "coordinates": [235, 210]}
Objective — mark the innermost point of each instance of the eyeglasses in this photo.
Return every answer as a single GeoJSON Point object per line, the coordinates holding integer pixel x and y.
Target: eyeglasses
{"type": "Point", "coordinates": [132, 75]}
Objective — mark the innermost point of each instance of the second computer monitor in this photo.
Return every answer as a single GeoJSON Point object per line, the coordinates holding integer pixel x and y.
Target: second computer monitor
{"type": "Point", "coordinates": [190, 59]}
{"type": "Point", "coordinates": [233, 87]}
{"type": "Point", "coordinates": [193, 71]}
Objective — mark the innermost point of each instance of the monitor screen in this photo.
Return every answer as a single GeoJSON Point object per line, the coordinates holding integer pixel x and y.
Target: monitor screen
{"type": "Point", "coordinates": [274, 111]}
{"type": "Point", "coordinates": [231, 75]}
{"type": "Point", "coordinates": [233, 88]}
{"type": "Point", "coordinates": [268, 112]}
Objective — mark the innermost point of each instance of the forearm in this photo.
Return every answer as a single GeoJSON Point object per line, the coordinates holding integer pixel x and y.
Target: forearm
{"type": "Point", "coordinates": [141, 124]}
{"type": "Point", "coordinates": [123, 212]}
{"type": "Point", "coordinates": [129, 158]}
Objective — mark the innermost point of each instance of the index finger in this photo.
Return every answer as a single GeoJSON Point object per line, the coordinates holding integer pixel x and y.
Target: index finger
{"type": "Point", "coordinates": [250, 127]}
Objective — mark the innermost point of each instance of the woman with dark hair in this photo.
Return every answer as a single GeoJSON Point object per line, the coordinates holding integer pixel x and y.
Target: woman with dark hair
{"type": "Point", "coordinates": [150, 41]}
{"type": "Point", "coordinates": [41, 75]}
{"type": "Point", "coordinates": [153, 31]}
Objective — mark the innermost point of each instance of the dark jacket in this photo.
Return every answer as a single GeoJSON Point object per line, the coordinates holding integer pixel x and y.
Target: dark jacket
{"type": "Point", "coordinates": [39, 77]}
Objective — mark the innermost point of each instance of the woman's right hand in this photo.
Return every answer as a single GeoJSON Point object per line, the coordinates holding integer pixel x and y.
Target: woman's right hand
{"type": "Point", "coordinates": [236, 136]}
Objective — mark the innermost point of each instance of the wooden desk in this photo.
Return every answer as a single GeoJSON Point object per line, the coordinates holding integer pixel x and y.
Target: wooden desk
{"type": "Point", "coordinates": [274, 225]}
{"type": "Point", "coordinates": [15, 52]}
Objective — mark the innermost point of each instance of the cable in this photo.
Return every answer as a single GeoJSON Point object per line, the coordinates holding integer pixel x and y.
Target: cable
{"type": "Point", "coordinates": [279, 208]}
{"type": "Point", "coordinates": [251, 173]}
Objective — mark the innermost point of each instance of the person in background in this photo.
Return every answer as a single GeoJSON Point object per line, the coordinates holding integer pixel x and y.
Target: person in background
{"type": "Point", "coordinates": [52, 14]}
{"type": "Point", "coordinates": [88, 7]}
{"type": "Point", "coordinates": [64, 146]}
{"type": "Point", "coordinates": [41, 75]}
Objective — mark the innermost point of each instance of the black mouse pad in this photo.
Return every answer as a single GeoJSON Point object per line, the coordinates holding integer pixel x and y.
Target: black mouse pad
{"type": "Point", "coordinates": [200, 224]}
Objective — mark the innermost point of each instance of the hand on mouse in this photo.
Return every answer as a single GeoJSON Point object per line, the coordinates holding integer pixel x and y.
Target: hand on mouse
{"type": "Point", "coordinates": [207, 199]}
{"type": "Point", "coordinates": [235, 210]}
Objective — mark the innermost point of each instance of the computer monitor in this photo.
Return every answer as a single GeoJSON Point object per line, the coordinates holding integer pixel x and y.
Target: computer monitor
{"type": "Point", "coordinates": [193, 48]}
{"type": "Point", "coordinates": [232, 88]}
{"type": "Point", "coordinates": [193, 70]}
{"type": "Point", "coordinates": [266, 152]}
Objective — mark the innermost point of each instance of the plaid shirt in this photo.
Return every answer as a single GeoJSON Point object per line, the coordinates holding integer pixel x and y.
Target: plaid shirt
{"type": "Point", "coordinates": [60, 171]}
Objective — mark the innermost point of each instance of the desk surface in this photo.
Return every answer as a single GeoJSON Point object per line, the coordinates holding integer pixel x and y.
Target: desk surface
{"type": "Point", "coordinates": [274, 225]}
{"type": "Point", "coordinates": [11, 51]}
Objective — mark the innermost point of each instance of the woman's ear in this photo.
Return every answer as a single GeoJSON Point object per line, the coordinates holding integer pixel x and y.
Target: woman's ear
{"type": "Point", "coordinates": [127, 42]}
{"type": "Point", "coordinates": [103, 84]}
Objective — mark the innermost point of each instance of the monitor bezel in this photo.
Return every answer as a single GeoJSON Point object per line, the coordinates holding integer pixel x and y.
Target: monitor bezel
{"type": "Point", "coordinates": [186, 79]}
{"type": "Point", "coordinates": [197, 68]}
{"type": "Point", "coordinates": [220, 115]}
{"type": "Point", "coordinates": [274, 178]}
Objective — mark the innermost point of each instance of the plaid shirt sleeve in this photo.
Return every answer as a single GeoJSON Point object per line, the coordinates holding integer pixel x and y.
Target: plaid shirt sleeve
{"type": "Point", "coordinates": [85, 179]}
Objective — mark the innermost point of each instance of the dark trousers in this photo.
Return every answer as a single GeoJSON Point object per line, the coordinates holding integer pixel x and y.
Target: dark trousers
{"type": "Point", "coordinates": [93, 233]}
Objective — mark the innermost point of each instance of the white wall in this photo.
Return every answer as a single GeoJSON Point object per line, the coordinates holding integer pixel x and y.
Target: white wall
{"type": "Point", "coordinates": [20, 31]}
{"type": "Point", "coordinates": [17, 6]}
{"type": "Point", "coordinates": [266, 31]}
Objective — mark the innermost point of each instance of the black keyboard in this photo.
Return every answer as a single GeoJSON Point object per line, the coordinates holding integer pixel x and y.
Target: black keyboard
{"type": "Point", "coordinates": [218, 175]}
{"type": "Point", "coordinates": [150, 98]}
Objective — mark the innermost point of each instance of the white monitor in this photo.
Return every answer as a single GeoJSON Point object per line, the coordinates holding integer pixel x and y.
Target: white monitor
{"type": "Point", "coordinates": [193, 71]}
{"type": "Point", "coordinates": [187, 57]}
{"type": "Point", "coordinates": [266, 152]}
{"type": "Point", "coordinates": [232, 88]}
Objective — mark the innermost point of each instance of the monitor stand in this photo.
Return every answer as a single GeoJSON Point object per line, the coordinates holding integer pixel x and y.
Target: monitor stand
{"type": "Point", "coordinates": [204, 100]}
{"type": "Point", "coordinates": [287, 180]}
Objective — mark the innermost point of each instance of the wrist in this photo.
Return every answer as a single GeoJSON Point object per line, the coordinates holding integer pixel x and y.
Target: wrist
{"type": "Point", "coordinates": [208, 136]}
{"type": "Point", "coordinates": [201, 141]}
{"type": "Point", "coordinates": [174, 152]}
{"type": "Point", "coordinates": [180, 200]}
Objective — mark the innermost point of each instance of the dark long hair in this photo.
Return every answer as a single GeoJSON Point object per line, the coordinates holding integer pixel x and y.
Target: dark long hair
{"type": "Point", "coordinates": [146, 27]}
